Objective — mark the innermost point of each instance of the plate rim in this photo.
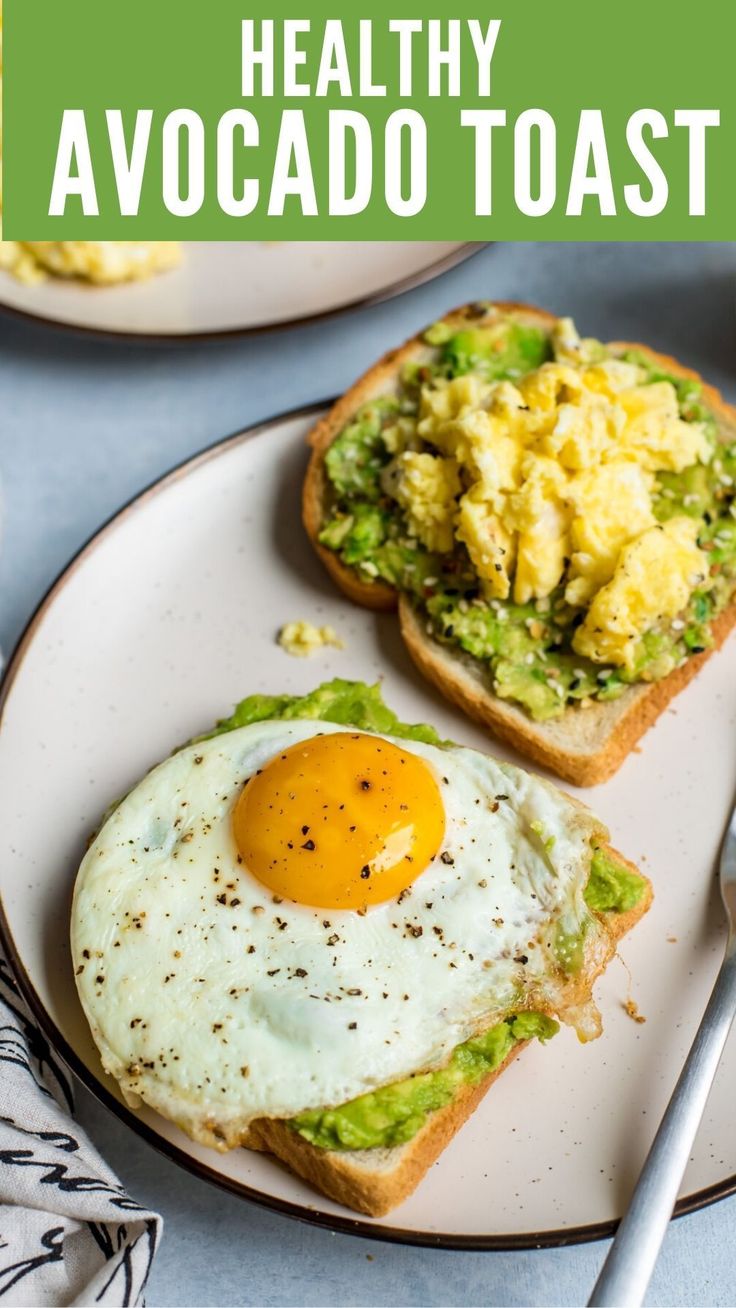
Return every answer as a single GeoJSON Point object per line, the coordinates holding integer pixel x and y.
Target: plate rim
{"type": "Point", "coordinates": [466, 250]}
{"type": "Point", "coordinates": [357, 1226]}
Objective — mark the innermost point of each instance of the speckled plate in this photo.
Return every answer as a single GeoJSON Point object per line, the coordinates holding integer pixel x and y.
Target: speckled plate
{"type": "Point", "coordinates": [164, 620]}
{"type": "Point", "coordinates": [230, 288]}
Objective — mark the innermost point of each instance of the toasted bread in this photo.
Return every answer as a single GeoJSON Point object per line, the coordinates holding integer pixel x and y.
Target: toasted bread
{"type": "Point", "coordinates": [374, 1181]}
{"type": "Point", "coordinates": [586, 744]}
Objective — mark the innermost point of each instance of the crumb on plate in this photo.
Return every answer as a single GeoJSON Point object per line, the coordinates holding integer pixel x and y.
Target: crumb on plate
{"type": "Point", "coordinates": [632, 1010]}
{"type": "Point", "coordinates": [303, 638]}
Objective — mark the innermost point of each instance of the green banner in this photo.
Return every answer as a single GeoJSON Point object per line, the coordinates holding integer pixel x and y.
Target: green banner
{"type": "Point", "coordinates": [247, 120]}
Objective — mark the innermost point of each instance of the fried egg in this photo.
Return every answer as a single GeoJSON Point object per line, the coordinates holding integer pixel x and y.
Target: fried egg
{"type": "Point", "coordinates": [291, 914]}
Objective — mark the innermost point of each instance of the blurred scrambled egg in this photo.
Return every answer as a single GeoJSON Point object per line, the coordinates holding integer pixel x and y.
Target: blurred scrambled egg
{"type": "Point", "coordinates": [101, 262]}
{"type": "Point", "coordinates": [557, 478]}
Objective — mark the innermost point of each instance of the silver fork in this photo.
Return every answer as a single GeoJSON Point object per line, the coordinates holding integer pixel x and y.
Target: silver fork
{"type": "Point", "coordinates": [628, 1268]}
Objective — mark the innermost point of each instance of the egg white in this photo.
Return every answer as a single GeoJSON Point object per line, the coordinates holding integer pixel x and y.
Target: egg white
{"type": "Point", "coordinates": [217, 1004]}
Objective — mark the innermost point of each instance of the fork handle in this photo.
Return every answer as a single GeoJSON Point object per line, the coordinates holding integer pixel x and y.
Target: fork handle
{"type": "Point", "coordinates": [628, 1268]}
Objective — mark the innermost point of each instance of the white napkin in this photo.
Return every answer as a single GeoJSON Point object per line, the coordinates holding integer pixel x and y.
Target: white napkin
{"type": "Point", "coordinates": [69, 1234]}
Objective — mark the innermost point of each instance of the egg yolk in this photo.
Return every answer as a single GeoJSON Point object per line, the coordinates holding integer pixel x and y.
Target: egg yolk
{"type": "Point", "coordinates": [340, 821]}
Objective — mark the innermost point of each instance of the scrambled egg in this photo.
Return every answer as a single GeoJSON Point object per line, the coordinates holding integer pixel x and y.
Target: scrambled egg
{"type": "Point", "coordinates": [538, 512]}
{"type": "Point", "coordinates": [492, 548]}
{"type": "Point", "coordinates": [303, 638]}
{"type": "Point", "coordinates": [426, 487]}
{"type": "Point", "coordinates": [101, 262]}
{"type": "Point", "coordinates": [654, 578]}
{"type": "Point", "coordinates": [610, 505]}
{"type": "Point", "coordinates": [549, 482]}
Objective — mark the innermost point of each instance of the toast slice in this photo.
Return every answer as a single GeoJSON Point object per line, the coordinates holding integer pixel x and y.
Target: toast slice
{"type": "Point", "coordinates": [587, 744]}
{"type": "Point", "coordinates": [373, 1181]}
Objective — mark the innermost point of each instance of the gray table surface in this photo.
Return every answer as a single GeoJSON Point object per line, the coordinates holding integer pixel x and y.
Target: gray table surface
{"type": "Point", "coordinates": [84, 424]}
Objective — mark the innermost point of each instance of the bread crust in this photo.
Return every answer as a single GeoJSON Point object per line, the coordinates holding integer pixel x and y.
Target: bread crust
{"type": "Point", "coordinates": [373, 1181]}
{"type": "Point", "coordinates": [352, 1179]}
{"type": "Point", "coordinates": [586, 745]}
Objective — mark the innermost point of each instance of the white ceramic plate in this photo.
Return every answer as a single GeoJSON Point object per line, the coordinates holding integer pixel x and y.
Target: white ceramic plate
{"type": "Point", "coordinates": [228, 287]}
{"type": "Point", "coordinates": [163, 622]}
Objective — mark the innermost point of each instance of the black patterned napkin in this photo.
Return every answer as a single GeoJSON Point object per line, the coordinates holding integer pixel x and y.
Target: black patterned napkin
{"type": "Point", "coordinates": [69, 1234]}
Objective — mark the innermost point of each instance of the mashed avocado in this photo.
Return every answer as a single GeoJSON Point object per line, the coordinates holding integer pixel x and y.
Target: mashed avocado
{"type": "Point", "coordinates": [349, 703]}
{"type": "Point", "coordinates": [395, 529]}
{"type": "Point", "coordinates": [393, 1114]}
{"type": "Point", "coordinates": [612, 888]}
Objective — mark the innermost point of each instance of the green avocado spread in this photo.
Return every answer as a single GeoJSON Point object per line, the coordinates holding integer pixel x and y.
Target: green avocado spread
{"type": "Point", "coordinates": [612, 888]}
{"type": "Point", "coordinates": [526, 648]}
{"type": "Point", "coordinates": [393, 1114]}
{"type": "Point", "coordinates": [349, 703]}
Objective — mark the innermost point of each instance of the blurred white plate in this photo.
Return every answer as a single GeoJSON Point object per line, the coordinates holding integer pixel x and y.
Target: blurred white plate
{"type": "Point", "coordinates": [163, 622]}
{"type": "Point", "coordinates": [226, 287]}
